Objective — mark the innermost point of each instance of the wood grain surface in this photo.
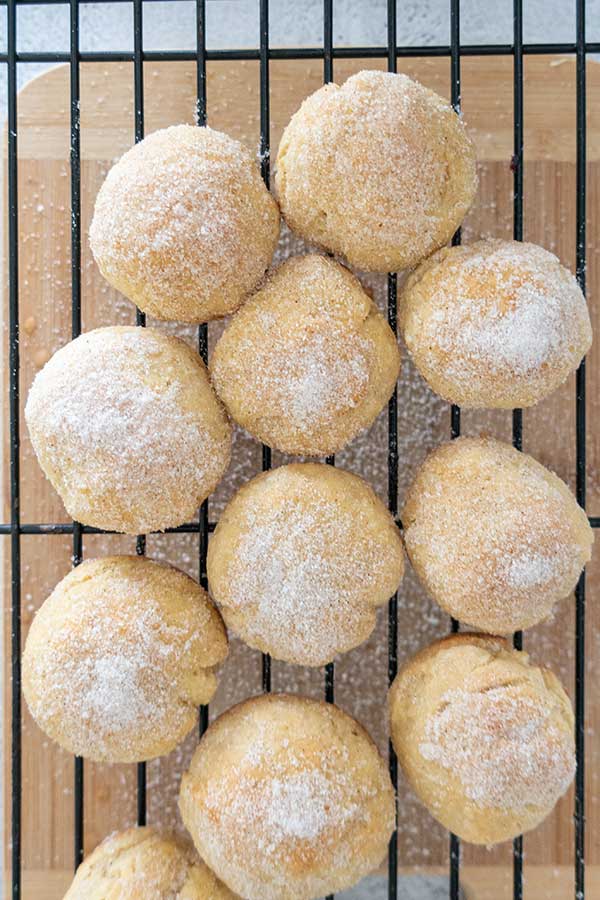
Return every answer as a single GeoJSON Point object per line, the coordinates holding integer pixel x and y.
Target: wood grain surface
{"type": "Point", "coordinates": [107, 122]}
{"type": "Point", "coordinates": [477, 882]}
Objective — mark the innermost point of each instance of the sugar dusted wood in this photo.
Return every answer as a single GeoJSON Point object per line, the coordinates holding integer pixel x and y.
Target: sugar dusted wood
{"type": "Point", "coordinates": [45, 278]}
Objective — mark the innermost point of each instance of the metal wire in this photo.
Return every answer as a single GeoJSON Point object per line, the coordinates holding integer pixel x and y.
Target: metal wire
{"type": "Point", "coordinates": [140, 317]}
{"type": "Point", "coordinates": [14, 408]}
{"type": "Point", "coordinates": [201, 112]}
{"type": "Point", "coordinates": [580, 430]}
{"type": "Point", "coordinates": [264, 53]}
{"type": "Point", "coordinates": [392, 296]}
{"type": "Point", "coordinates": [68, 528]}
{"type": "Point", "coordinates": [57, 528]}
{"type": "Point", "coordinates": [75, 165]}
{"type": "Point", "coordinates": [265, 166]}
{"type": "Point", "coordinates": [455, 99]}
{"type": "Point", "coordinates": [327, 41]}
{"type": "Point", "coordinates": [517, 416]}
{"type": "Point", "coordinates": [53, 56]}
{"type": "Point", "coordinates": [327, 78]}
{"type": "Point", "coordinates": [201, 119]}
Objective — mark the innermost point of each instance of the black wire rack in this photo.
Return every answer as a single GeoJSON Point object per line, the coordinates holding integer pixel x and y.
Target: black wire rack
{"type": "Point", "coordinates": [391, 52]}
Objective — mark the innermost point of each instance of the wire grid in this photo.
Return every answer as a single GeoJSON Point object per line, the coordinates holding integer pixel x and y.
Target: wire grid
{"type": "Point", "coordinates": [328, 53]}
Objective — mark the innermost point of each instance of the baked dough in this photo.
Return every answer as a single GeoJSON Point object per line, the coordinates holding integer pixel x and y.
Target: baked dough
{"type": "Point", "coordinates": [309, 361]}
{"type": "Point", "coordinates": [184, 225]}
{"type": "Point", "coordinates": [142, 864]}
{"type": "Point", "coordinates": [484, 737]}
{"type": "Point", "coordinates": [300, 560]}
{"type": "Point", "coordinates": [495, 323]}
{"type": "Point", "coordinates": [288, 798]}
{"type": "Point", "coordinates": [127, 428]}
{"type": "Point", "coordinates": [120, 656]}
{"type": "Point", "coordinates": [496, 538]}
{"type": "Point", "coordinates": [380, 170]}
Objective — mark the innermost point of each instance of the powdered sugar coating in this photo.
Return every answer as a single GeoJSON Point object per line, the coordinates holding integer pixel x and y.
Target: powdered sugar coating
{"type": "Point", "coordinates": [495, 323]}
{"type": "Point", "coordinates": [495, 537]}
{"type": "Point", "coordinates": [119, 657]}
{"type": "Point", "coordinates": [301, 558]}
{"type": "Point", "coordinates": [288, 799]}
{"type": "Point", "coordinates": [380, 170]}
{"type": "Point", "coordinates": [309, 361]}
{"type": "Point", "coordinates": [505, 750]}
{"type": "Point", "coordinates": [142, 864]}
{"type": "Point", "coordinates": [128, 430]}
{"type": "Point", "coordinates": [184, 225]}
{"type": "Point", "coordinates": [483, 736]}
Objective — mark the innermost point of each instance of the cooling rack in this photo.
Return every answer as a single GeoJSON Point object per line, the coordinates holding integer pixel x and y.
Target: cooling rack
{"type": "Point", "coordinates": [391, 53]}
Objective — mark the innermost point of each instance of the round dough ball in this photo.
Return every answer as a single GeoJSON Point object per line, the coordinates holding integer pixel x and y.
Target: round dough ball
{"type": "Point", "coordinates": [127, 428]}
{"type": "Point", "coordinates": [309, 361]}
{"type": "Point", "coordinates": [484, 738]}
{"type": "Point", "coordinates": [288, 798]}
{"type": "Point", "coordinates": [120, 656]}
{"type": "Point", "coordinates": [141, 864]}
{"type": "Point", "coordinates": [380, 170]}
{"type": "Point", "coordinates": [495, 324]}
{"type": "Point", "coordinates": [184, 225]}
{"type": "Point", "coordinates": [496, 538]}
{"type": "Point", "coordinates": [300, 560]}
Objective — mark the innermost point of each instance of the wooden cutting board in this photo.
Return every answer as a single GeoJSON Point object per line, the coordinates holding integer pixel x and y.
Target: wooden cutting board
{"type": "Point", "coordinates": [107, 120]}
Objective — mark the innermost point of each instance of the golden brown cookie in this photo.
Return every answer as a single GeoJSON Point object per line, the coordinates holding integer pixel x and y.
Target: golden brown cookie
{"type": "Point", "coordinates": [496, 538]}
{"type": "Point", "coordinates": [309, 361]}
{"type": "Point", "coordinates": [301, 559]}
{"type": "Point", "coordinates": [127, 428]}
{"type": "Point", "coordinates": [380, 170]}
{"type": "Point", "coordinates": [120, 656]}
{"type": "Point", "coordinates": [288, 798]}
{"type": "Point", "coordinates": [495, 323]}
{"type": "Point", "coordinates": [184, 225]}
{"type": "Point", "coordinates": [142, 864]}
{"type": "Point", "coordinates": [484, 737]}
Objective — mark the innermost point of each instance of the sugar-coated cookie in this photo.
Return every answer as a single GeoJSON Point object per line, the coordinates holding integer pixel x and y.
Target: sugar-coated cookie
{"type": "Point", "coordinates": [309, 361]}
{"type": "Point", "coordinates": [127, 427]}
{"type": "Point", "coordinates": [380, 170]}
{"type": "Point", "coordinates": [484, 737]}
{"type": "Point", "coordinates": [288, 798]}
{"type": "Point", "coordinates": [495, 323]}
{"type": "Point", "coordinates": [496, 538]}
{"type": "Point", "coordinates": [301, 559]}
{"type": "Point", "coordinates": [142, 864]}
{"type": "Point", "coordinates": [184, 225]}
{"type": "Point", "coordinates": [120, 656]}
